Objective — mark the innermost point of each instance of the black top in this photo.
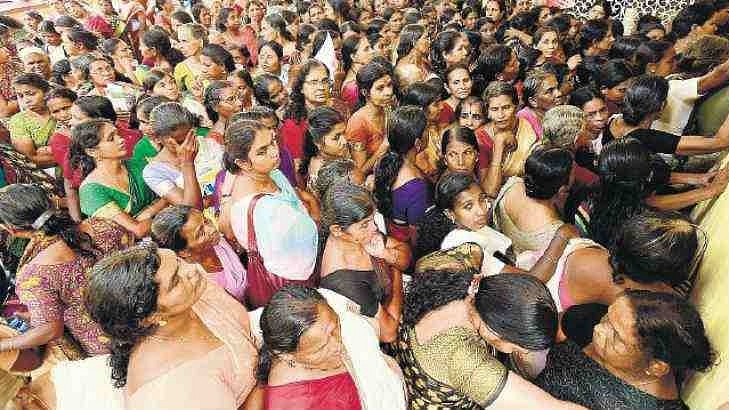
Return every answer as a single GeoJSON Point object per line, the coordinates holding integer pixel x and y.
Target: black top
{"type": "Point", "coordinates": [361, 286]}
{"type": "Point", "coordinates": [573, 376]}
{"type": "Point", "coordinates": [658, 142]}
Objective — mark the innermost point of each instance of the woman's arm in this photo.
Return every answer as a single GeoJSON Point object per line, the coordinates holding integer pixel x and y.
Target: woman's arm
{"type": "Point", "coordinates": [682, 200]}
{"type": "Point", "coordinates": [149, 212]}
{"type": "Point", "coordinates": [72, 201]}
{"type": "Point", "coordinates": [397, 254]}
{"type": "Point", "coordinates": [8, 108]}
{"type": "Point", "coordinates": [140, 228]}
{"type": "Point", "coordinates": [521, 394]}
{"type": "Point", "coordinates": [190, 194]}
{"type": "Point", "coordinates": [492, 183]}
{"type": "Point", "coordinates": [714, 78]}
{"type": "Point", "coordinates": [545, 266]}
{"type": "Point", "coordinates": [692, 145]}
{"type": "Point", "coordinates": [311, 204]}
{"type": "Point", "coordinates": [42, 157]}
{"type": "Point", "coordinates": [390, 312]}
{"type": "Point", "coordinates": [36, 336]}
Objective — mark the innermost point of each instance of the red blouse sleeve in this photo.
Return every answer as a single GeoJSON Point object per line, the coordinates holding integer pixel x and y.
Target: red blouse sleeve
{"type": "Point", "coordinates": [293, 136]}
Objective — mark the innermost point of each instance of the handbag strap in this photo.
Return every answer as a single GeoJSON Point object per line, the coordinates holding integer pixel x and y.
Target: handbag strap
{"type": "Point", "coordinates": [252, 243]}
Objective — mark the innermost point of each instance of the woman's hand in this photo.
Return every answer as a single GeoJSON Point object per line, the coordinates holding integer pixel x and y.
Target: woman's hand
{"type": "Point", "coordinates": [187, 151]}
{"type": "Point", "coordinates": [376, 246]}
{"type": "Point", "coordinates": [719, 181]}
{"type": "Point", "coordinates": [574, 61]}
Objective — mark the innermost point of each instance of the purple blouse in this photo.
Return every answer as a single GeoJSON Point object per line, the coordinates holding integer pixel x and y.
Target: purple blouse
{"type": "Point", "coordinates": [410, 201]}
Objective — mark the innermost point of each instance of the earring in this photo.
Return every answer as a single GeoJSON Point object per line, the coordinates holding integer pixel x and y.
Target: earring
{"type": "Point", "coordinates": [291, 363]}
{"type": "Point", "coordinates": [162, 323]}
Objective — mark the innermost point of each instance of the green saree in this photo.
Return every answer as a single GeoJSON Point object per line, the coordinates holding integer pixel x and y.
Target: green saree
{"type": "Point", "coordinates": [98, 200]}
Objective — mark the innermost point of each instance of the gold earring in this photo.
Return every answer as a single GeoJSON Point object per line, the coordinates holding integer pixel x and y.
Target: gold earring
{"type": "Point", "coordinates": [162, 323]}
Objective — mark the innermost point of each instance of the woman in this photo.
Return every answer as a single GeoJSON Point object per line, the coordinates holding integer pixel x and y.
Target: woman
{"type": "Point", "coordinates": [32, 127]}
{"type": "Point", "coordinates": [228, 23]}
{"type": "Point", "coordinates": [356, 53]}
{"type": "Point", "coordinates": [460, 152]}
{"type": "Point", "coordinates": [613, 78]}
{"type": "Point", "coordinates": [157, 53]}
{"type": "Point", "coordinates": [273, 29]}
{"type": "Point", "coordinates": [176, 317]}
{"type": "Point", "coordinates": [541, 93]}
{"type": "Point", "coordinates": [270, 61]}
{"type": "Point", "coordinates": [217, 63]}
{"type": "Point", "coordinates": [311, 89]}
{"type": "Point", "coordinates": [471, 113]}
{"type": "Point", "coordinates": [318, 353]}
{"type": "Point", "coordinates": [595, 38]}
{"type": "Point", "coordinates": [184, 230]}
{"type": "Point", "coordinates": [192, 40]}
{"type": "Point", "coordinates": [546, 43]}
{"type": "Point", "coordinates": [270, 92]}
{"type": "Point", "coordinates": [265, 214]}
{"type": "Point", "coordinates": [402, 192]}
{"type": "Point", "coordinates": [413, 50]}
{"type": "Point", "coordinates": [449, 48]}
{"type": "Point", "coordinates": [51, 273]}
{"type": "Point", "coordinates": [184, 171]}
{"type": "Point", "coordinates": [358, 261]}
{"type": "Point", "coordinates": [528, 210]}
{"type": "Point", "coordinates": [459, 86]}
{"type": "Point", "coordinates": [592, 103]}
{"type": "Point", "coordinates": [430, 98]}
{"type": "Point", "coordinates": [505, 140]}
{"type": "Point", "coordinates": [160, 83]}
{"type": "Point", "coordinates": [124, 61]}
{"type": "Point", "coordinates": [654, 251]}
{"type": "Point", "coordinates": [222, 100]}
{"type": "Point", "coordinates": [497, 63]}
{"type": "Point", "coordinates": [111, 189]}
{"type": "Point", "coordinates": [325, 142]}
{"type": "Point", "coordinates": [641, 345]}
{"type": "Point", "coordinates": [449, 332]}
{"type": "Point", "coordinates": [642, 105]}
{"type": "Point", "coordinates": [367, 127]}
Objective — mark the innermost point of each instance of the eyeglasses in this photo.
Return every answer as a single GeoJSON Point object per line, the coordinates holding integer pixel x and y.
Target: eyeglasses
{"type": "Point", "coordinates": [472, 115]}
{"type": "Point", "coordinates": [324, 82]}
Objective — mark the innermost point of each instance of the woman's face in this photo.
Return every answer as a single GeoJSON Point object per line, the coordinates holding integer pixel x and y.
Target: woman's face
{"type": "Point", "coordinates": [471, 208]}
{"type": "Point", "coordinates": [470, 21]}
{"type": "Point", "coordinates": [362, 232]}
{"type": "Point", "coordinates": [603, 46]}
{"type": "Point", "coordinates": [396, 22]}
{"type": "Point", "coordinates": [230, 103]}
{"type": "Point", "coordinates": [460, 156]}
{"type": "Point", "coordinates": [267, 32]}
{"type": "Point", "coordinates": [459, 83]}
{"type": "Point", "coordinates": [511, 70]}
{"type": "Point", "coordinates": [167, 87]}
{"type": "Point", "coordinates": [615, 338]}
{"type": "Point", "coordinates": [667, 64]}
{"type": "Point", "coordinates": [60, 110]}
{"type": "Point", "coordinates": [244, 90]}
{"type": "Point", "coordinates": [320, 346]}
{"type": "Point", "coordinates": [205, 17]}
{"type": "Point", "coordinates": [30, 23]}
{"type": "Point", "coordinates": [233, 21]}
{"type": "Point", "coordinates": [144, 126]}
{"type": "Point", "coordinates": [334, 143]}
{"type": "Point", "coordinates": [147, 53]}
{"type": "Point", "coordinates": [264, 154]}
{"type": "Point", "coordinates": [199, 233]}
{"type": "Point", "coordinates": [597, 115]}
{"type": "Point", "coordinates": [101, 73]}
{"type": "Point", "coordinates": [549, 95]}
{"type": "Point", "coordinates": [181, 284]}
{"type": "Point", "coordinates": [111, 144]}
{"type": "Point", "coordinates": [615, 94]}
{"type": "Point", "coordinates": [316, 87]}
{"type": "Point", "coordinates": [502, 113]}
{"type": "Point", "coordinates": [269, 61]}
{"type": "Point", "coordinates": [544, 15]}
{"type": "Point", "coordinates": [188, 45]}
{"type": "Point", "coordinates": [548, 44]}
{"type": "Point", "coordinates": [30, 98]}
{"type": "Point", "coordinates": [381, 92]}
{"type": "Point", "coordinates": [75, 10]}
{"type": "Point", "coordinates": [212, 70]}
{"type": "Point", "coordinates": [493, 10]}
{"type": "Point", "coordinates": [365, 53]}
{"type": "Point", "coordinates": [277, 94]}
{"type": "Point", "coordinates": [471, 116]}
{"type": "Point", "coordinates": [459, 53]}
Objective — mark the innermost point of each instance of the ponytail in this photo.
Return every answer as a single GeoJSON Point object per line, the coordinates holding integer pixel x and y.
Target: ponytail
{"type": "Point", "coordinates": [385, 175]}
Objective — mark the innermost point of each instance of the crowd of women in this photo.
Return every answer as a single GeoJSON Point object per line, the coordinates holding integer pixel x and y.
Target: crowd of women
{"type": "Point", "coordinates": [381, 205]}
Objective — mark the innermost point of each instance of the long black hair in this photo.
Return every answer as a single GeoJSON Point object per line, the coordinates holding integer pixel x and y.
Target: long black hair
{"type": "Point", "coordinates": [546, 171]}
{"type": "Point", "coordinates": [366, 77]}
{"type": "Point", "coordinates": [122, 293]}
{"type": "Point", "coordinates": [22, 205]}
{"type": "Point", "coordinates": [84, 136]}
{"type": "Point", "coordinates": [160, 41]}
{"type": "Point", "coordinates": [322, 121]}
{"type": "Point", "coordinates": [407, 124]}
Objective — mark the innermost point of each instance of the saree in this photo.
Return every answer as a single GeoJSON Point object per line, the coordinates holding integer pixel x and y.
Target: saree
{"type": "Point", "coordinates": [25, 125]}
{"type": "Point", "coordinates": [513, 162]}
{"type": "Point", "coordinates": [98, 200]}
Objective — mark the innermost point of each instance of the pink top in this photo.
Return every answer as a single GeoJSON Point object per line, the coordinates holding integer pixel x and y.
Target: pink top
{"type": "Point", "coordinates": [233, 276]}
{"type": "Point", "coordinates": [528, 114]}
{"type": "Point", "coordinates": [350, 94]}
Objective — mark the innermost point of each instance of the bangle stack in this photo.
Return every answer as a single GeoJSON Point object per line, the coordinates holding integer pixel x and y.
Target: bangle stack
{"type": "Point", "coordinates": [7, 345]}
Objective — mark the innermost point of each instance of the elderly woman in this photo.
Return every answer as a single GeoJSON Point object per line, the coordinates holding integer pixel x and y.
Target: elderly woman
{"type": "Point", "coordinates": [192, 39]}
{"type": "Point", "coordinates": [319, 353]}
{"type": "Point", "coordinates": [175, 317]}
{"type": "Point", "coordinates": [637, 350]}
{"type": "Point", "coordinates": [449, 333]}
{"type": "Point", "coordinates": [541, 93]}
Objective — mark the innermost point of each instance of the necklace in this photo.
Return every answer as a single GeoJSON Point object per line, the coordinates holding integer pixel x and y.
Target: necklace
{"type": "Point", "coordinates": [180, 339]}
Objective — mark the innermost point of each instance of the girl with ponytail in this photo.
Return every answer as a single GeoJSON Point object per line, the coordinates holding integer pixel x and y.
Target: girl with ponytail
{"type": "Point", "coordinates": [324, 142]}
{"type": "Point", "coordinates": [51, 276]}
{"type": "Point", "coordinates": [402, 193]}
